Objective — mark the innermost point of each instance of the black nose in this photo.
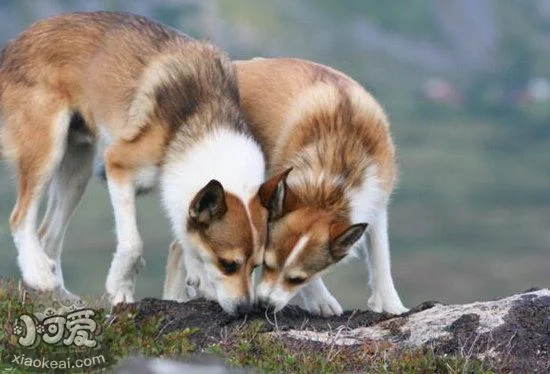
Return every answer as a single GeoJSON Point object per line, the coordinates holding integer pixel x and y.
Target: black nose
{"type": "Point", "coordinates": [265, 304]}
{"type": "Point", "coordinates": [244, 308]}
{"type": "Point", "coordinates": [262, 302]}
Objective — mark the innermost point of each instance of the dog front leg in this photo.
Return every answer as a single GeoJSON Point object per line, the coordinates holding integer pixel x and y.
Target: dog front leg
{"type": "Point", "coordinates": [196, 283]}
{"type": "Point", "coordinates": [174, 281]}
{"type": "Point", "coordinates": [127, 260]}
{"type": "Point", "coordinates": [384, 296]}
{"type": "Point", "coordinates": [184, 276]}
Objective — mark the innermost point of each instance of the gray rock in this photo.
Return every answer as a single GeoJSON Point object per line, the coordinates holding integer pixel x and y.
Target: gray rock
{"type": "Point", "coordinates": [514, 331]}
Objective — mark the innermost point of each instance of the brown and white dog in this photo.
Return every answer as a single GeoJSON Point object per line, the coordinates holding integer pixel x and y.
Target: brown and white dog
{"type": "Point", "coordinates": [166, 105]}
{"type": "Point", "coordinates": [336, 139]}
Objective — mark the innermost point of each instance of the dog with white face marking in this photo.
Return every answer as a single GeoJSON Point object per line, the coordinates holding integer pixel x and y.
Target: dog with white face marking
{"type": "Point", "coordinates": [329, 142]}
{"type": "Point", "coordinates": [166, 106]}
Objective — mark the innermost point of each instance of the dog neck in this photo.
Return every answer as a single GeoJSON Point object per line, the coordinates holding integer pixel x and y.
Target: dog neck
{"type": "Point", "coordinates": [228, 156]}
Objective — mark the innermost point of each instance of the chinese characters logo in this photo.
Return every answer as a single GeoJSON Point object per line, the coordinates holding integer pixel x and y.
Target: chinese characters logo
{"type": "Point", "coordinates": [67, 325]}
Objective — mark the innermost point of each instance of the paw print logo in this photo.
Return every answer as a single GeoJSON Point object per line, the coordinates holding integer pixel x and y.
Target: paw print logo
{"type": "Point", "coordinates": [17, 330]}
{"type": "Point", "coordinates": [40, 329]}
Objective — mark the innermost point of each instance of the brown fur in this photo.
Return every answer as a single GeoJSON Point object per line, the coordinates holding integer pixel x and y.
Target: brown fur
{"type": "Point", "coordinates": [152, 90]}
{"type": "Point", "coordinates": [311, 120]}
{"type": "Point", "coordinates": [92, 63]}
{"type": "Point", "coordinates": [315, 120]}
{"type": "Point", "coordinates": [326, 123]}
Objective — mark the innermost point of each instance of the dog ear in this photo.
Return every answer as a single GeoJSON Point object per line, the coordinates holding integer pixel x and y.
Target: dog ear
{"type": "Point", "coordinates": [276, 196]}
{"type": "Point", "coordinates": [342, 237]}
{"type": "Point", "coordinates": [208, 204]}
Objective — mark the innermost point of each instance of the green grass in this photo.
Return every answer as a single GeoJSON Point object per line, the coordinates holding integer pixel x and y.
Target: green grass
{"type": "Point", "coordinates": [121, 335]}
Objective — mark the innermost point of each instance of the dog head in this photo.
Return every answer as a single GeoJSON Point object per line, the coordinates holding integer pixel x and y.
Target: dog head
{"type": "Point", "coordinates": [303, 242]}
{"type": "Point", "coordinates": [230, 236]}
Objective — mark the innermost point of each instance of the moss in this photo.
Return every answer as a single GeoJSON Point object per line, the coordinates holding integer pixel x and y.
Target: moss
{"type": "Point", "coordinates": [120, 334]}
{"type": "Point", "coordinates": [250, 347]}
{"type": "Point", "coordinates": [270, 353]}
{"type": "Point", "coordinates": [124, 336]}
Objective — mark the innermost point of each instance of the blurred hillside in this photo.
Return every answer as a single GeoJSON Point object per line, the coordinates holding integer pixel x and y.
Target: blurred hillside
{"type": "Point", "coordinates": [466, 85]}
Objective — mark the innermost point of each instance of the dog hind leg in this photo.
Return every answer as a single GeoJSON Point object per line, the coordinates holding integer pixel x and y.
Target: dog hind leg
{"type": "Point", "coordinates": [40, 135]}
{"type": "Point", "coordinates": [66, 189]}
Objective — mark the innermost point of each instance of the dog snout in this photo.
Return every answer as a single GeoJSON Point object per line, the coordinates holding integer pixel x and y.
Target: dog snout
{"type": "Point", "coordinates": [265, 303]}
{"type": "Point", "coordinates": [261, 302]}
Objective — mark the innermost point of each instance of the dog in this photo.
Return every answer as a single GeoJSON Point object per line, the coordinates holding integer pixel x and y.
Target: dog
{"type": "Point", "coordinates": [167, 108]}
{"type": "Point", "coordinates": [330, 140]}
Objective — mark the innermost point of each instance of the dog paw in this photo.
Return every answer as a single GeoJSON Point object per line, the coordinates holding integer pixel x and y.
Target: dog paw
{"type": "Point", "coordinates": [326, 307]}
{"type": "Point", "coordinates": [122, 276]}
{"type": "Point", "coordinates": [39, 271]}
{"type": "Point", "coordinates": [390, 305]}
{"type": "Point", "coordinates": [120, 290]}
{"type": "Point", "coordinates": [123, 295]}
{"type": "Point", "coordinates": [66, 296]}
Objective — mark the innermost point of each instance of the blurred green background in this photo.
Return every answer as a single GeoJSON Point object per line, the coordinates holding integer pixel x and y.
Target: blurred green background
{"type": "Point", "coordinates": [466, 85]}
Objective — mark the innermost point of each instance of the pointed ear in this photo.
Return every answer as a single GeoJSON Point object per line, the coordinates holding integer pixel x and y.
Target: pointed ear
{"type": "Point", "coordinates": [208, 204]}
{"type": "Point", "coordinates": [276, 196]}
{"type": "Point", "coordinates": [342, 237]}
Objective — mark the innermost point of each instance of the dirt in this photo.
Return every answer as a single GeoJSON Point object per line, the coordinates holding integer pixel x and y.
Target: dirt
{"type": "Point", "coordinates": [211, 321]}
{"type": "Point", "coordinates": [525, 336]}
{"type": "Point", "coordinates": [521, 344]}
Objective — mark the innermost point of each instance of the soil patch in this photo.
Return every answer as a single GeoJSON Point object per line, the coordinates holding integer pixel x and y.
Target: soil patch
{"type": "Point", "coordinates": [212, 322]}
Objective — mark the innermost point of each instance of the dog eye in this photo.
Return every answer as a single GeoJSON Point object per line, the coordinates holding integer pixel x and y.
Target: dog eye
{"type": "Point", "coordinates": [296, 280]}
{"type": "Point", "coordinates": [229, 267]}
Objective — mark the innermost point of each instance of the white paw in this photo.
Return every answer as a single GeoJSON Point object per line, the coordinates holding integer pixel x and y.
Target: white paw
{"type": "Point", "coordinates": [121, 291]}
{"type": "Point", "coordinates": [122, 295]}
{"type": "Point", "coordinates": [390, 305]}
{"type": "Point", "coordinates": [66, 296]}
{"type": "Point", "coordinates": [39, 271]}
{"type": "Point", "coordinates": [121, 280]}
{"type": "Point", "coordinates": [326, 307]}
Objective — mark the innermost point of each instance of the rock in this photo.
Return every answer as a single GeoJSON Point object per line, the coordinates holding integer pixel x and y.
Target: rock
{"type": "Point", "coordinates": [514, 331]}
